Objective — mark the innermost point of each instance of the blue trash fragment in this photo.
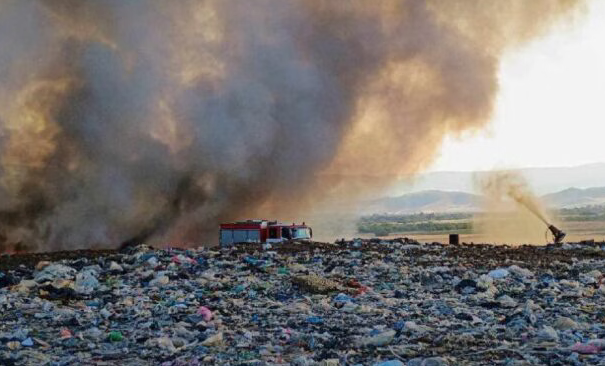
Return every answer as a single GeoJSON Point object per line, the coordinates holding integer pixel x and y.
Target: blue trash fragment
{"type": "Point", "coordinates": [251, 260]}
{"type": "Point", "coordinates": [315, 320]}
{"type": "Point", "coordinates": [390, 363]}
{"type": "Point", "coordinates": [342, 298]}
{"type": "Point", "coordinates": [498, 273]}
{"type": "Point", "coordinates": [399, 325]}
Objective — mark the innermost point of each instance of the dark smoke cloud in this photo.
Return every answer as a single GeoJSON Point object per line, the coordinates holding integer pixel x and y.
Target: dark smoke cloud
{"type": "Point", "coordinates": [153, 120]}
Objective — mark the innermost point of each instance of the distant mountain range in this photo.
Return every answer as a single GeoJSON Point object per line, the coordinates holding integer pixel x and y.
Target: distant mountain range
{"type": "Point", "coordinates": [575, 197]}
{"type": "Point", "coordinates": [455, 201]}
{"type": "Point", "coordinates": [426, 201]}
{"type": "Point", "coordinates": [541, 180]}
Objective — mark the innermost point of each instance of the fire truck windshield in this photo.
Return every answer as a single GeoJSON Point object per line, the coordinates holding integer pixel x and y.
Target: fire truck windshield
{"type": "Point", "coordinates": [301, 233]}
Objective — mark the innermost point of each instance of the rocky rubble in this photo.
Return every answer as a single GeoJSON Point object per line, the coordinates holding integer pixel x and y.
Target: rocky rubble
{"type": "Point", "coordinates": [384, 303]}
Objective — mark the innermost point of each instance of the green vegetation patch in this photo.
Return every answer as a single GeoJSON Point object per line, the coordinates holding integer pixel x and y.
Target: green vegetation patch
{"type": "Point", "coordinates": [382, 225]}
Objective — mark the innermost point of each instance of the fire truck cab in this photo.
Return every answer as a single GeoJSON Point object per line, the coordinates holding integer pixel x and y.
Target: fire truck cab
{"type": "Point", "coordinates": [262, 231]}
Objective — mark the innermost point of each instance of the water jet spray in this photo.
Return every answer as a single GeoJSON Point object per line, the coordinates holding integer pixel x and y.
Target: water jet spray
{"type": "Point", "coordinates": [557, 234]}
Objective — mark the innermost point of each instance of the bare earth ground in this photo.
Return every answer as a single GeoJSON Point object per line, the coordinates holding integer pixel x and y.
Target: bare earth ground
{"type": "Point", "coordinates": [576, 232]}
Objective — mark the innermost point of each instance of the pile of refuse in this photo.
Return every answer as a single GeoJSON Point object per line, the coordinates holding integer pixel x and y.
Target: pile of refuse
{"type": "Point", "coordinates": [380, 302]}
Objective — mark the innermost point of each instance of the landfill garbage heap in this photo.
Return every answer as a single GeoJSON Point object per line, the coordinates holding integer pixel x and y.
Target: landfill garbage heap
{"type": "Point", "coordinates": [386, 303]}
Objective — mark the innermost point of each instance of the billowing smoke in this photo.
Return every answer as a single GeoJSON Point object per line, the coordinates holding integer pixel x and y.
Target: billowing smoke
{"type": "Point", "coordinates": [129, 120]}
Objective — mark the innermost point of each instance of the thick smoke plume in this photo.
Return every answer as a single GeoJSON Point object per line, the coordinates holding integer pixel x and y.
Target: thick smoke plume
{"type": "Point", "coordinates": [129, 120]}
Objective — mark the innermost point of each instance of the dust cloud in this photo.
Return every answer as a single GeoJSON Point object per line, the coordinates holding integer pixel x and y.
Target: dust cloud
{"type": "Point", "coordinates": [511, 212]}
{"type": "Point", "coordinates": [130, 121]}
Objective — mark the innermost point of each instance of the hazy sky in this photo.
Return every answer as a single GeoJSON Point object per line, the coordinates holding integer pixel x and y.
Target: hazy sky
{"type": "Point", "coordinates": [551, 105]}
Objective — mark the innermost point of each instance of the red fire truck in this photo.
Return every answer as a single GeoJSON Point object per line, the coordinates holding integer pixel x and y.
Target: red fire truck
{"type": "Point", "coordinates": [262, 231]}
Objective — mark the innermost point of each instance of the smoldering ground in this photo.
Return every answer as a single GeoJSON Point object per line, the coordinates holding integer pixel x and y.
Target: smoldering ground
{"type": "Point", "coordinates": [152, 120]}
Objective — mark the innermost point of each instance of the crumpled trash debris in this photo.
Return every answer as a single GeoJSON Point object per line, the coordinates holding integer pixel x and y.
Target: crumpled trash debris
{"type": "Point", "coordinates": [315, 320]}
{"type": "Point", "coordinates": [521, 272]}
{"type": "Point", "coordinates": [498, 273]}
{"type": "Point", "coordinates": [115, 267]}
{"type": "Point", "coordinates": [431, 361]}
{"type": "Point", "coordinates": [548, 333]}
{"type": "Point", "coordinates": [213, 340]}
{"type": "Point", "coordinates": [55, 272]}
{"type": "Point", "coordinates": [316, 284]}
{"type": "Point", "coordinates": [586, 348]}
{"type": "Point", "coordinates": [564, 323]}
{"type": "Point", "coordinates": [363, 302]}
{"type": "Point", "coordinates": [205, 313]}
{"type": "Point", "coordinates": [378, 340]}
{"type": "Point", "coordinates": [115, 336]}
{"type": "Point", "coordinates": [86, 281]}
{"type": "Point", "coordinates": [6, 280]}
{"type": "Point", "coordinates": [342, 298]}
{"type": "Point", "coordinates": [467, 287]}
{"type": "Point", "coordinates": [390, 363]}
